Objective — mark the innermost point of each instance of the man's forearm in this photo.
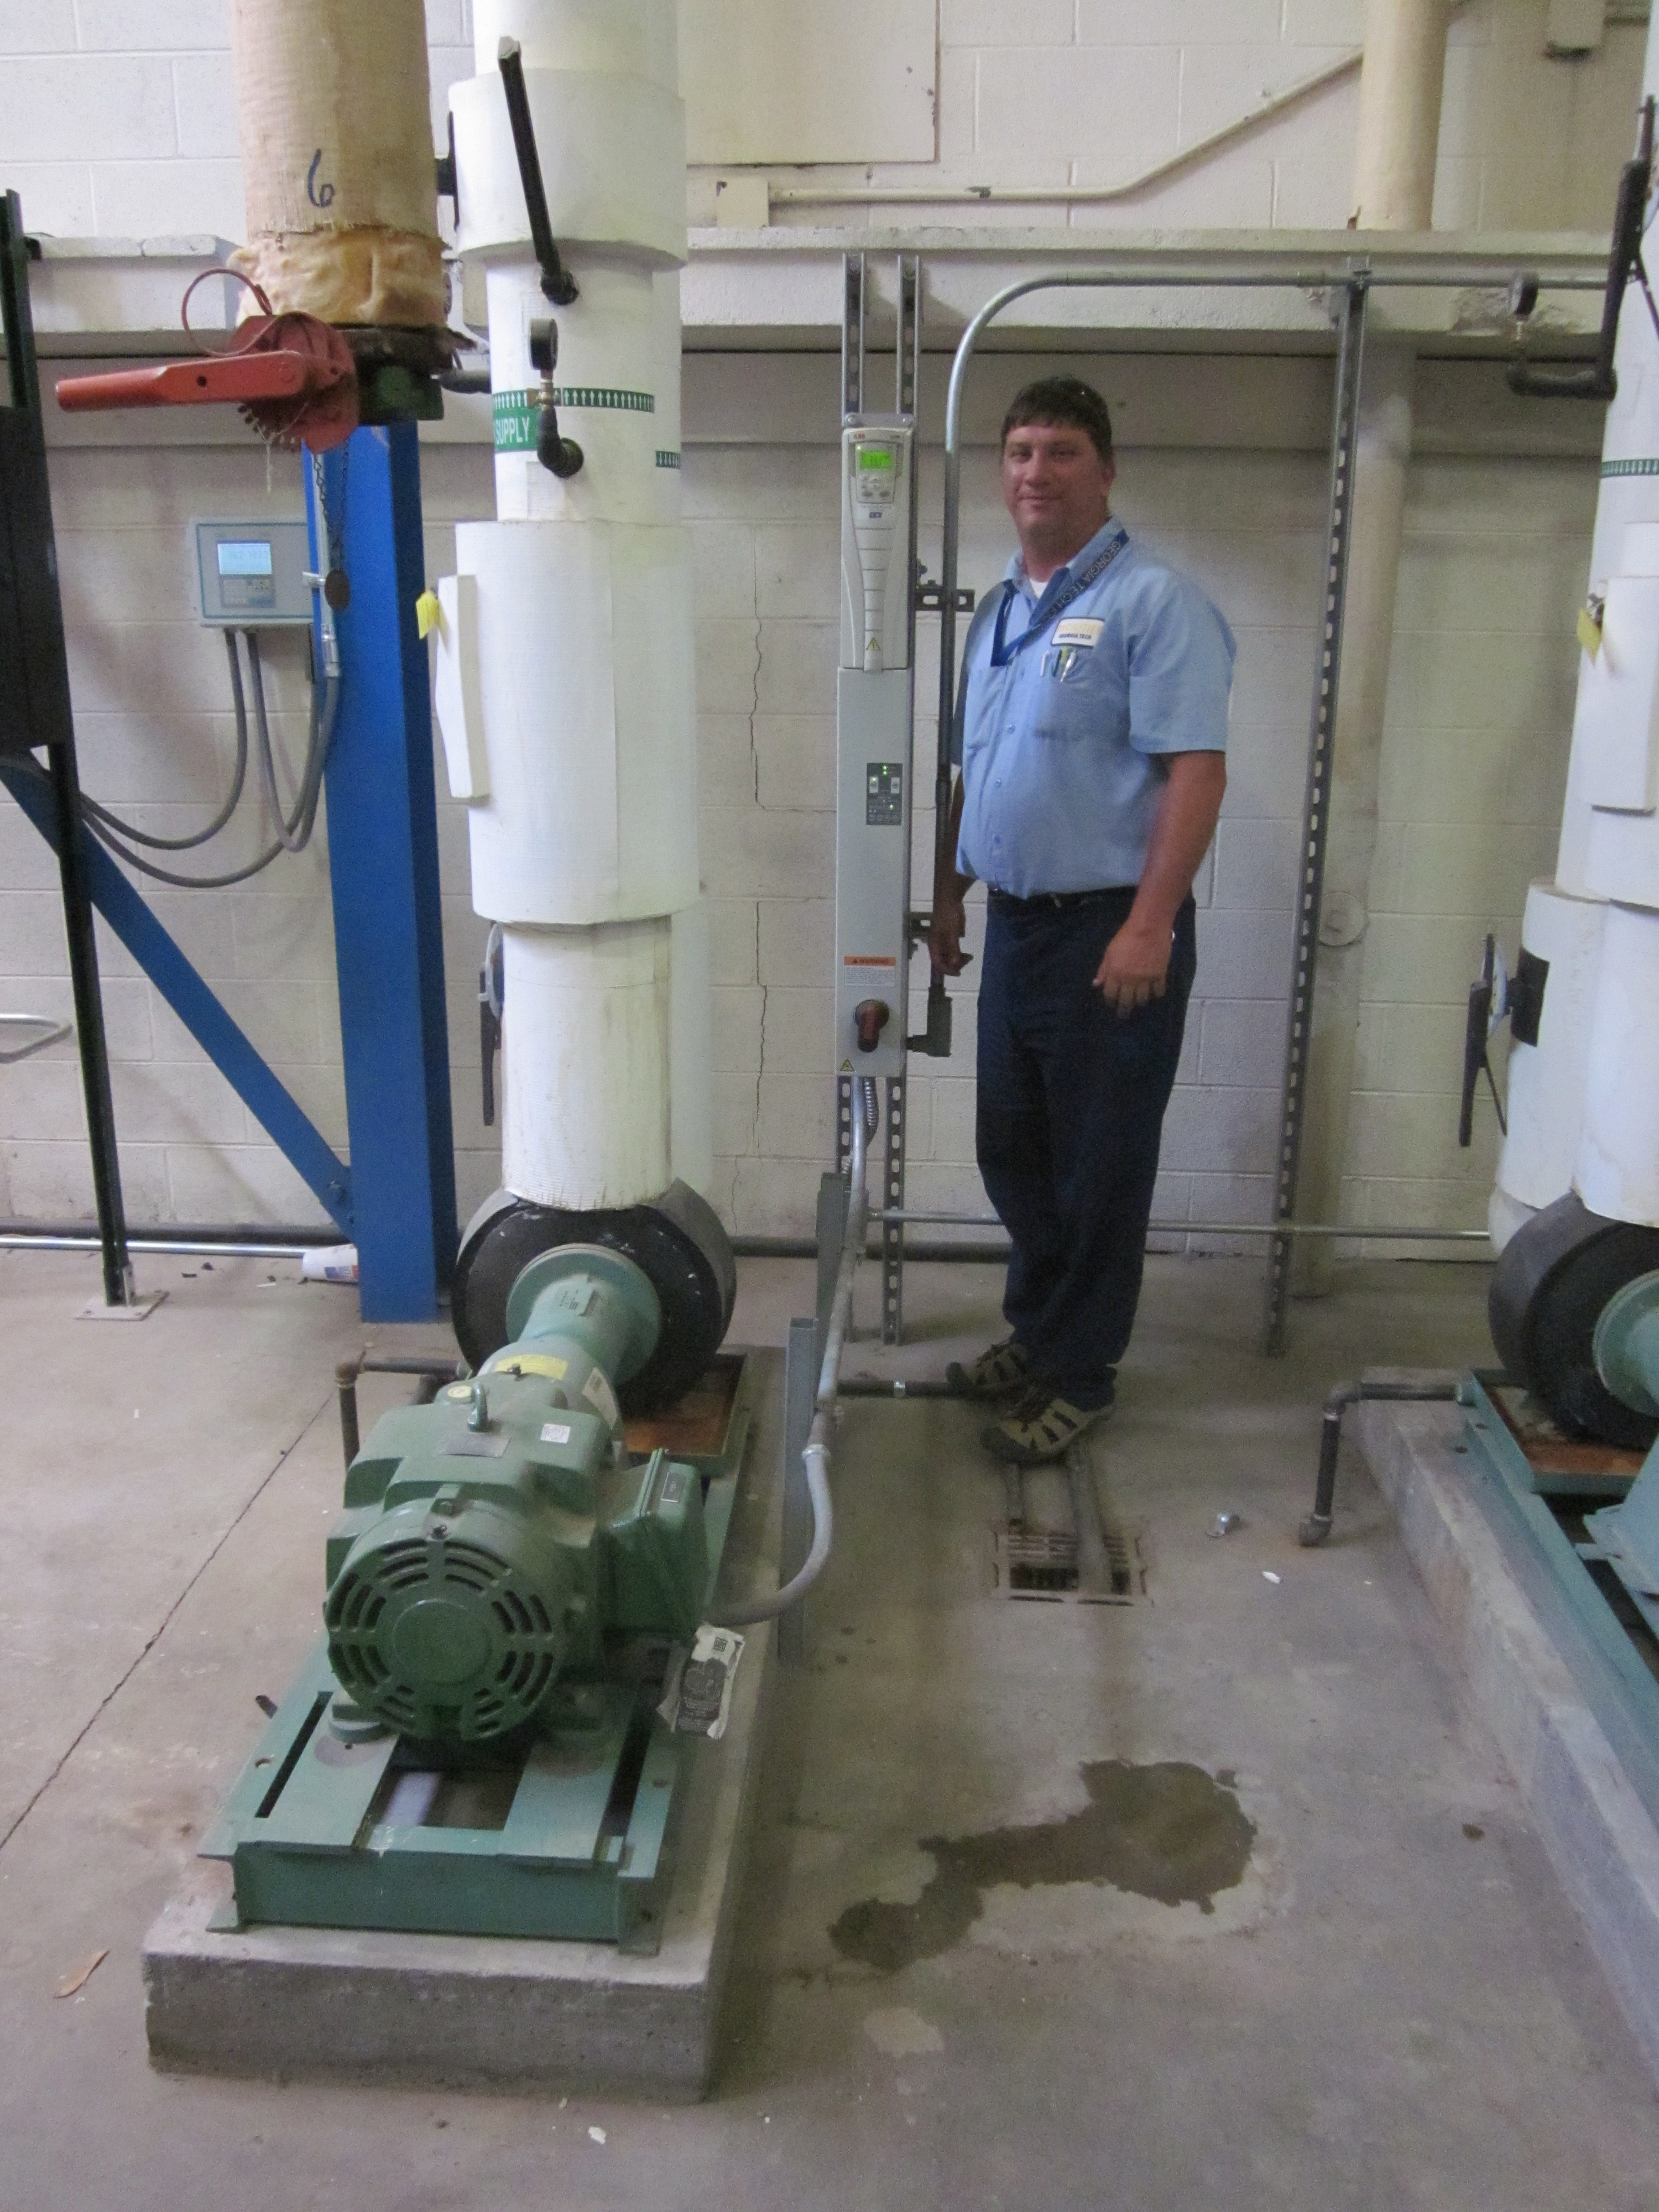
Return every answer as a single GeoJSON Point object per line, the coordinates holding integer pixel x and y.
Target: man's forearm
{"type": "Point", "coordinates": [1181, 831]}
{"type": "Point", "coordinates": [948, 879]}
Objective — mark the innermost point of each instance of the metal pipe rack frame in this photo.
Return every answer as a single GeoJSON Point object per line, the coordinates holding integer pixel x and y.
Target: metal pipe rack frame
{"type": "Point", "coordinates": [1349, 278]}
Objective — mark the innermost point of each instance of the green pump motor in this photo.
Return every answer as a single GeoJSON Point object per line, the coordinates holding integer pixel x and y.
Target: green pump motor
{"type": "Point", "coordinates": [494, 1541]}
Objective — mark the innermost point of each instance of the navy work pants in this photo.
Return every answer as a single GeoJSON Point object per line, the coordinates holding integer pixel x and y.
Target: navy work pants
{"type": "Point", "coordinates": [1070, 1113]}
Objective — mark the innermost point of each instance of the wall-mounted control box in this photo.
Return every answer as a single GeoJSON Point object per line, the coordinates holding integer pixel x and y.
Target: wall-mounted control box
{"type": "Point", "coordinates": [252, 575]}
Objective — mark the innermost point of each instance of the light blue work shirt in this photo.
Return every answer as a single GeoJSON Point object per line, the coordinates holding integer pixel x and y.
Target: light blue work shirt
{"type": "Point", "coordinates": [1059, 746]}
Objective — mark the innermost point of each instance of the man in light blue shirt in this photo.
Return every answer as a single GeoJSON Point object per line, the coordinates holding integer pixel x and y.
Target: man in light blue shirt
{"type": "Point", "coordinates": [1091, 732]}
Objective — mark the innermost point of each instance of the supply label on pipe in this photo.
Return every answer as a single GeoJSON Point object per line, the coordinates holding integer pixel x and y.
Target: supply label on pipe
{"type": "Point", "coordinates": [517, 414]}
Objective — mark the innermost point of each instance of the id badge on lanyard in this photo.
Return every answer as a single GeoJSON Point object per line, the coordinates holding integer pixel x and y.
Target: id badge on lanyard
{"type": "Point", "coordinates": [1043, 619]}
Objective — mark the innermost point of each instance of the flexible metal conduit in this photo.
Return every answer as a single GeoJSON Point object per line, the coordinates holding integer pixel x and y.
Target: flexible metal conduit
{"type": "Point", "coordinates": [815, 1457]}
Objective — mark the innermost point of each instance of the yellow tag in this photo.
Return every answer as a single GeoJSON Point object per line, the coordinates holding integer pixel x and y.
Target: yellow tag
{"type": "Point", "coordinates": [541, 1363]}
{"type": "Point", "coordinates": [426, 613]}
{"type": "Point", "coordinates": [1589, 632]}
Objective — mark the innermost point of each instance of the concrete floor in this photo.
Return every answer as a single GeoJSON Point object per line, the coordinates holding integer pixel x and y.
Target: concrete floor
{"type": "Point", "coordinates": [1392, 2005]}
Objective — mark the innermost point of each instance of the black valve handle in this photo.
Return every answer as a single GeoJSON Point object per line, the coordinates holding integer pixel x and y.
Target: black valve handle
{"type": "Point", "coordinates": [557, 282]}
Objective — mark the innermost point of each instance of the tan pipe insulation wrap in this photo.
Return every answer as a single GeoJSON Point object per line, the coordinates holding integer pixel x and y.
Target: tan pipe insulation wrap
{"type": "Point", "coordinates": [334, 110]}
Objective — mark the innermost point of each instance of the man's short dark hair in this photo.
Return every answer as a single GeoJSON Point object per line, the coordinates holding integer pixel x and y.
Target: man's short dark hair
{"type": "Point", "coordinates": [1055, 399]}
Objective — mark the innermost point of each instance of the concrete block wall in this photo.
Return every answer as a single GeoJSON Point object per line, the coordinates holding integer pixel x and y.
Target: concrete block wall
{"type": "Point", "coordinates": [1481, 692]}
{"type": "Point", "coordinates": [1097, 92]}
{"type": "Point", "coordinates": [117, 118]}
{"type": "Point", "coordinates": [1222, 467]}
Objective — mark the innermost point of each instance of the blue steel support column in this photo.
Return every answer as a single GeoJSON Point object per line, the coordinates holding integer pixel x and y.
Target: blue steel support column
{"type": "Point", "coordinates": [383, 863]}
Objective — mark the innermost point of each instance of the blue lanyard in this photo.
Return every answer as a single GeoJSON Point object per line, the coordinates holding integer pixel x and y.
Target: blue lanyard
{"type": "Point", "coordinates": [1042, 615]}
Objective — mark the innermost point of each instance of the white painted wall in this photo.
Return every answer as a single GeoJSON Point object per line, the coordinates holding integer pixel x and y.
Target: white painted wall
{"type": "Point", "coordinates": [108, 115]}
{"type": "Point", "coordinates": [116, 116]}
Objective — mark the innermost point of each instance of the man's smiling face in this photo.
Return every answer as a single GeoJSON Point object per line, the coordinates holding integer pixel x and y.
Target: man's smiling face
{"type": "Point", "coordinates": [1056, 487]}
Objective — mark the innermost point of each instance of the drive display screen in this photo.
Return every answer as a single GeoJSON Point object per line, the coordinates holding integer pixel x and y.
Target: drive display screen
{"type": "Point", "coordinates": [244, 556]}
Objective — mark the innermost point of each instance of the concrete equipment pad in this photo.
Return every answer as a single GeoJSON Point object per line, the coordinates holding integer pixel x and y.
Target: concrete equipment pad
{"type": "Point", "coordinates": [455, 2011]}
{"type": "Point", "coordinates": [1600, 1836]}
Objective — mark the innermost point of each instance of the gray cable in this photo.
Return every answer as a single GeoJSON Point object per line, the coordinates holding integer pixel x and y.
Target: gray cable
{"type": "Point", "coordinates": [129, 829]}
{"type": "Point", "coordinates": [293, 830]}
{"type": "Point", "coordinates": [323, 713]}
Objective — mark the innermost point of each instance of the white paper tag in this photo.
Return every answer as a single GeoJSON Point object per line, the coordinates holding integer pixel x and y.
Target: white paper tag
{"type": "Point", "coordinates": [1079, 630]}
{"type": "Point", "coordinates": [555, 1432]}
{"type": "Point", "coordinates": [698, 1699]}
{"type": "Point", "coordinates": [600, 1395]}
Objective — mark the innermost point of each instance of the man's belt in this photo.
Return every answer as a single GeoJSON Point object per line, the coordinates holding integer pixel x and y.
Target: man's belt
{"type": "Point", "coordinates": [1060, 901]}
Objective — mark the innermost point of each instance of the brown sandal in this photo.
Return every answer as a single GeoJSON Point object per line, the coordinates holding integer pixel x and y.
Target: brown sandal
{"type": "Point", "coordinates": [1042, 1426]}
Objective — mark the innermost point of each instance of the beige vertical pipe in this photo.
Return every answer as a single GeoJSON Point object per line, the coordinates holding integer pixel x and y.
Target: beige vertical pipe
{"type": "Point", "coordinates": [1399, 91]}
{"type": "Point", "coordinates": [333, 109]}
{"type": "Point", "coordinates": [1400, 83]}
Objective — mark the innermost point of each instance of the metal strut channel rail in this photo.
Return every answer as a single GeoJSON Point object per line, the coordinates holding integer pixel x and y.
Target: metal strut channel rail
{"type": "Point", "coordinates": [1315, 808]}
{"type": "Point", "coordinates": [1354, 277]}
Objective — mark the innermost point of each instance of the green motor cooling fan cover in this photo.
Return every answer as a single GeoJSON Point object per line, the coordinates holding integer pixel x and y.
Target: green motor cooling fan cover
{"type": "Point", "coordinates": [450, 1626]}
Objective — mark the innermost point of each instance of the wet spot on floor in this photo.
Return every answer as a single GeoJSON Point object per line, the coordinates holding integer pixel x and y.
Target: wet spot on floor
{"type": "Point", "coordinates": [898, 2033]}
{"type": "Point", "coordinates": [1472, 1831]}
{"type": "Point", "coordinates": [1169, 1830]}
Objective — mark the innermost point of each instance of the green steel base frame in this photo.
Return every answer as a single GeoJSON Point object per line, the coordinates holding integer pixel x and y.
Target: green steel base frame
{"type": "Point", "coordinates": [1611, 1674]}
{"type": "Point", "coordinates": [583, 1849]}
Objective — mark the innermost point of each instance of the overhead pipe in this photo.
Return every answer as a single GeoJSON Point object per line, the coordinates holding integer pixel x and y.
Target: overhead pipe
{"type": "Point", "coordinates": [1172, 165]}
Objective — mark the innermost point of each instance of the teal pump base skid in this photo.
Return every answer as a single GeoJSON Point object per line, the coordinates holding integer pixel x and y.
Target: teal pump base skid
{"type": "Point", "coordinates": [1621, 1537]}
{"type": "Point", "coordinates": [474, 1747]}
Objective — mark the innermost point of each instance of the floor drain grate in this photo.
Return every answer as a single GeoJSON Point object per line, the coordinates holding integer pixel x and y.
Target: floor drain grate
{"type": "Point", "coordinates": [1043, 1565]}
{"type": "Point", "coordinates": [1041, 1562]}
{"type": "Point", "coordinates": [1093, 1562]}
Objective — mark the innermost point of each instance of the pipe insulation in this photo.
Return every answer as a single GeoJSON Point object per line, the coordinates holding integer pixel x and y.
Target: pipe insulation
{"type": "Point", "coordinates": [333, 110]}
{"type": "Point", "coordinates": [1583, 1098]}
{"type": "Point", "coordinates": [565, 657]}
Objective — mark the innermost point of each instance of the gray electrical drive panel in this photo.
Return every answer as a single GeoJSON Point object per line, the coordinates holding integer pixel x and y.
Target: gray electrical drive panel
{"type": "Point", "coordinates": [252, 574]}
{"type": "Point", "coordinates": [874, 702]}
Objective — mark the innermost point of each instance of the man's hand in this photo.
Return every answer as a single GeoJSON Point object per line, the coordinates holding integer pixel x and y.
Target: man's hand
{"type": "Point", "coordinates": [945, 936]}
{"type": "Point", "coordinates": [1135, 966]}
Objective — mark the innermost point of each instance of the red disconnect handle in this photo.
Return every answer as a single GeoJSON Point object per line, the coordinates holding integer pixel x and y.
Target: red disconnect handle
{"type": "Point", "coordinates": [275, 375]}
{"type": "Point", "coordinates": [870, 1019]}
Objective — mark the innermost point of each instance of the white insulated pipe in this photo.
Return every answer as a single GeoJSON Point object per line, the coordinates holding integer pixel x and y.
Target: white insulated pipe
{"type": "Point", "coordinates": [573, 639]}
{"type": "Point", "coordinates": [1583, 1102]}
{"type": "Point", "coordinates": [582, 1004]}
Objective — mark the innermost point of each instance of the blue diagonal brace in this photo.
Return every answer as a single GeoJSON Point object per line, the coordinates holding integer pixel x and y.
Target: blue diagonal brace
{"type": "Point", "coordinates": [247, 1074]}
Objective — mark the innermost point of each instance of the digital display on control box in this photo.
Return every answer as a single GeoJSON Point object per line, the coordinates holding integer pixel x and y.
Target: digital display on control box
{"type": "Point", "coordinates": [244, 556]}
